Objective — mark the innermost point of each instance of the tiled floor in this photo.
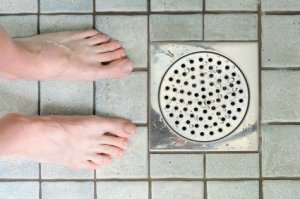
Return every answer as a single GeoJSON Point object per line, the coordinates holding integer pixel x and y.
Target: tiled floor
{"type": "Point", "coordinates": [273, 172]}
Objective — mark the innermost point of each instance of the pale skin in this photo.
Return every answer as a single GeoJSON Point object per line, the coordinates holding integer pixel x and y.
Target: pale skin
{"type": "Point", "coordinates": [79, 142]}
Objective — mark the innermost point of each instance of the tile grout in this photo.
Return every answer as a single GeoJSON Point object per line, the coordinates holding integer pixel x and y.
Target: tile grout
{"type": "Point", "coordinates": [148, 101]}
{"type": "Point", "coordinates": [39, 96]}
{"type": "Point", "coordinates": [259, 26]}
{"type": "Point", "coordinates": [296, 178]}
{"type": "Point", "coordinates": [94, 100]}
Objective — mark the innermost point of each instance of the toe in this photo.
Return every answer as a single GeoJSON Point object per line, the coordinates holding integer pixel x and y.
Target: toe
{"type": "Point", "coordinates": [97, 39]}
{"type": "Point", "coordinates": [118, 127]}
{"type": "Point", "coordinates": [110, 150]}
{"type": "Point", "coordinates": [110, 56]}
{"type": "Point", "coordinates": [107, 47]}
{"type": "Point", "coordinates": [114, 141]}
{"type": "Point", "coordinates": [87, 33]}
{"type": "Point", "coordinates": [114, 69]}
{"type": "Point", "coordinates": [96, 161]}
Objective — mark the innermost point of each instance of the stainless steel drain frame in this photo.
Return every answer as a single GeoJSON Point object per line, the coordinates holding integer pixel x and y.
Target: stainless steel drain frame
{"type": "Point", "coordinates": [165, 137]}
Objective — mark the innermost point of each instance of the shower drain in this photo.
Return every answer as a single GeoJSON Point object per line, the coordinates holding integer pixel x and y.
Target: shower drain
{"type": "Point", "coordinates": [204, 96]}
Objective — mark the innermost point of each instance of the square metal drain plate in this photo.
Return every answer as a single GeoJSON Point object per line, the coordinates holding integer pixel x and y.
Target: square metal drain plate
{"type": "Point", "coordinates": [204, 97]}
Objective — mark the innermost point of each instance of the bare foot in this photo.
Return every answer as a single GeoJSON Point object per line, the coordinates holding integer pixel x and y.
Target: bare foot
{"type": "Point", "coordinates": [81, 55]}
{"type": "Point", "coordinates": [73, 141]}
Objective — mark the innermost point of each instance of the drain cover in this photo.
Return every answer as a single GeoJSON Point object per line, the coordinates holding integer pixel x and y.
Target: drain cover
{"type": "Point", "coordinates": [204, 96]}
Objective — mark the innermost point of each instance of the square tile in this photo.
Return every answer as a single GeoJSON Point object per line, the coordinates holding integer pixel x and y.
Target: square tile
{"type": "Point", "coordinates": [230, 26]}
{"type": "Point", "coordinates": [18, 6]}
{"type": "Point", "coordinates": [66, 190]}
{"type": "Point", "coordinates": [175, 27]}
{"type": "Point", "coordinates": [48, 6]}
{"type": "Point", "coordinates": [25, 190]}
{"type": "Point", "coordinates": [174, 129]}
{"type": "Point", "coordinates": [121, 5]}
{"type": "Point", "coordinates": [177, 190]}
{"type": "Point", "coordinates": [50, 171]}
{"type": "Point", "coordinates": [231, 5]}
{"type": "Point", "coordinates": [176, 5]}
{"type": "Point", "coordinates": [131, 31]}
{"type": "Point", "coordinates": [56, 23]}
{"type": "Point", "coordinates": [67, 98]}
{"type": "Point", "coordinates": [18, 97]}
{"type": "Point", "coordinates": [18, 169]}
{"type": "Point", "coordinates": [136, 153]}
{"type": "Point", "coordinates": [125, 98]}
{"type": "Point", "coordinates": [232, 165]}
{"type": "Point", "coordinates": [233, 189]}
{"type": "Point", "coordinates": [284, 50]}
{"type": "Point", "coordinates": [280, 5]}
{"type": "Point", "coordinates": [280, 96]}
{"type": "Point", "coordinates": [175, 165]}
{"type": "Point", "coordinates": [280, 151]}
{"type": "Point", "coordinates": [281, 189]}
{"type": "Point", "coordinates": [19, 26]}
{"type": "Point", "coordinates": [124, 190]}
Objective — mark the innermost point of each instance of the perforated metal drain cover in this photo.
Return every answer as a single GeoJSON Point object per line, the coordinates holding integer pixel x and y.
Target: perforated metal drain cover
{"type": "Point", "coordinates": [204, 96]}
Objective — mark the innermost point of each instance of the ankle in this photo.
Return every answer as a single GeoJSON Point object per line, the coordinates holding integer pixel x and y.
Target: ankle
{"type": "Point", "coordinates": [13, 136]}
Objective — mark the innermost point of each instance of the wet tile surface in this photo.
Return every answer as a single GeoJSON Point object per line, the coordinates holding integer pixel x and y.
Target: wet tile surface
{"type": "Point", "coordinates": [284, 50]}
{"type": "Point", "coordinates": [122, 98]}
{"type": "Point", "coordinates": [176, 5]}
{"type": "Point", "coordinates": [65, 23]}
{"type": "Point", "coordinates": [281, 189]}
{"type": "Point", "coordinates": [174, 27]}
{"type": "Point", "coordinates": [64, 190]}
{"type": "Point", "coordinates": [280, 151]}
{"type": "Point", "coordinates": [174, 190]}
{"type": "Point", "coordinates": [62, 6]}
{"type": "Point", "coordinates": [25, 190]}
{"type": "Point", "coordinates": [280, 5]}
{"type": "Point", "coordinates": [232, 5]}
{"type": "Point", "coordinates": [230, 27]}
{"type": "Point", "coordinates": [175, 166]}
{"type": "Point", "coordinates": [18, 169]}
{"type": "Point", "coordinates": [133, 164]}
{"type": "Point", "coordinates": [124, 190]}
{"type": "Point", "coordinates": [49, 171]}
{"type": "Point", "coordinates": [280, 91]}
{"type": "Point", "coordinates": [233, 189]}
{"type": "Point", "coordinates": [18, 6]}
{"type": "Point", "coordinates": [232, 166]}
{"type": "Point", "coordinates": [121, 5]}
{"type": "Point", "coordinates": [18, 96]}
{"type": "Point", "coordinates": [131, 31]}
{"type": "Point", "coordinates": [66, 98]}
{"type": "Point", "coordinates": [19, 26]}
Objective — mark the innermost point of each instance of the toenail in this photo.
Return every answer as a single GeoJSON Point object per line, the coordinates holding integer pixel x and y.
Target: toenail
{"type": "Point", "coordinates": [129, 128]}
{"type": "Point", "coordinates": [128, 66]}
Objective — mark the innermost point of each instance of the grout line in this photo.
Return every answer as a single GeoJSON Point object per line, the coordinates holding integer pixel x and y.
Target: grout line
{"type": "Point", "coordinates": [204, 152]}
{"type": "Point", "coordinates": [201, 41]}
{"type": "Point", "coordinates": [281, 68]}
{"type": "Point", "coordinates": [281, 123]}
{"type": "Point", "coordinates": [94, 98]}
{"type": "Point", "coordinates": [203, 21]}
{"type": "Point", "coordinates": [148, 101]}
{"type": "Point", "coordinates": [296, 178]}
{"type": "Point", "coordinates": [204, 177]}
{"type": "Point", "coordinates": [39, 96]}
{"type": "Point", "coordinates": [260, 98]}
{"type": "Point", "coordinates": [159, 12]}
